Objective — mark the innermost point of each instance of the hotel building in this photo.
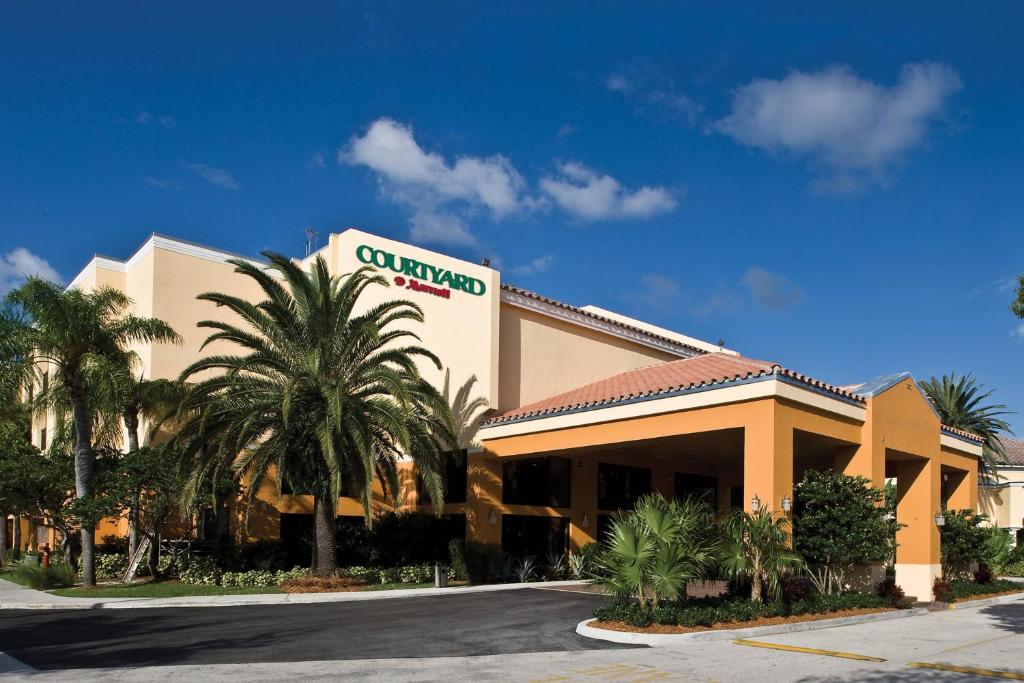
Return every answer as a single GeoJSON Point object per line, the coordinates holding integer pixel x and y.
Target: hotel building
{"type": "Point", "coordinates": [589, 409]}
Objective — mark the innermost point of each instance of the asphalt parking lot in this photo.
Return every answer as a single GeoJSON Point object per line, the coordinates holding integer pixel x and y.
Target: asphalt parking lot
{"type": "Point", "coordinates": [507, 622]}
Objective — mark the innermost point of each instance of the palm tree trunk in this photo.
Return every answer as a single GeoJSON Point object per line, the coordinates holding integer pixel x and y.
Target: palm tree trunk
{"type": "Point", "coordinates": [326, 521]}
{"type": "Point", "coordinates": [131, 423]}
{"type": "Point", "coordinates": [85, 467]}
{"type": "Point", "coordinates": [3, 538]}
{"type": "Point", "coordinates": [16, 537]}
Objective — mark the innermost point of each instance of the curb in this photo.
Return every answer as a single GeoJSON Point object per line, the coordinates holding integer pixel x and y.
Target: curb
{"type": "Point", "coordinates": [982, 602]}
{"type": "Point", "coordinates": [274, 598]}
{"type": "Point", "coordinates": [662, 639]}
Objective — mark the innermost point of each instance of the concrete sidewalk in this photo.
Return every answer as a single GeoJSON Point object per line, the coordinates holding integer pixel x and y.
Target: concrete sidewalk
{"type": "Point", "coordinates": [13, 596]}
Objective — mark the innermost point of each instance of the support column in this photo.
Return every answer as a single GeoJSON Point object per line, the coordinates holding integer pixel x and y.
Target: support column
{"type": "Point", "coordinates": [483, 499]}
{"type": "Point", "coordinates": [919, 484]}
{"type": "Point", "coordinates": [962, 489]}
{"type": "Point", "coordinates": [767, 461]}
{"type": "Point", "coordinates": [583, 522]}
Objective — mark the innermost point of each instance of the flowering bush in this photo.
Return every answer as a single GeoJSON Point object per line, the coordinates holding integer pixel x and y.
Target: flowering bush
{"type": "Point", "coordinates": [417, 573]}
{"type": "Point", "coordinates": [201, 571]}
{"type": "Point", "coordinates": [259, 578]}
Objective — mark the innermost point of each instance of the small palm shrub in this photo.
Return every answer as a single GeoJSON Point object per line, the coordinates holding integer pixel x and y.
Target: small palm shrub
{"type": "Point", "coordinates": [526, 570]}
{"type": "Point", "coordinates": [586, 562]}
{"type": "Point", "coordinates": [656, 550]}
{"type": "Point", "coordinates": [557, 567]}
{"type": "Point", "coordinates": [758, 553]}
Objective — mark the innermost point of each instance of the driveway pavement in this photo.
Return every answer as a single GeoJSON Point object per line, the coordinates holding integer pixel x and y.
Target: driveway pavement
{"type": "Point", "coordinates": [521, 635]}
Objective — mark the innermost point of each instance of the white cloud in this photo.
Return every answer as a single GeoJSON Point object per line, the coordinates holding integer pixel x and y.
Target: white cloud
{"type": "Point", "coordinates": [653, 92]}
{"type": "Point", "coordinates": [592, 196]}
{"type": "Point", "coordinates": [20, 263]}
{"type": "Point", "coordinates": [143, 118]}
{"type": "Point", "coordinates": [771, 291]}
{"type": "Point", "coordinates": [434, 188]}
{"type": "Point", "coordinates": [390, 149]}
{"type": "Point", "coordinates": [168, 121]}
{"type": "Point", "coordinates": [855, 128]}
{"type": "Point", "coordinates": [1018, 331]}
{"type": "Point", "coordinates": [566, 130]}
{"type": "Point", "coordinates": [539, 265]}
{"type": "Point", "coordinates": [441, 228]}
{"type": "Point", "coordinates": [218, 177]}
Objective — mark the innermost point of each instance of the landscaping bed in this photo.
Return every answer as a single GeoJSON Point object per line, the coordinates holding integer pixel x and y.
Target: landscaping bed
{"type": "Point", "coordinates": [730, 625]}
{"type": "Point", "coordinates": [962, 591]}
{"type": "Point", "coordinates": [731, 612]}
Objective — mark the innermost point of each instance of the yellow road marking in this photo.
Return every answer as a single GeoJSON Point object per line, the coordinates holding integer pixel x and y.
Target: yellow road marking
{"type": "Point", "coordinates": [634, 674]}
{"type": "Point", "coordinates": [968, 670]}
{"type": "Point", "coordinates": [980, 642]}
{"type": "Point", "coordinates": [808, 650]}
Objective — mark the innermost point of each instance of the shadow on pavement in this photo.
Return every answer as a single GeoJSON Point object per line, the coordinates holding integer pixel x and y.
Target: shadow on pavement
{"type": "Point", "coordinates": [472, 624]}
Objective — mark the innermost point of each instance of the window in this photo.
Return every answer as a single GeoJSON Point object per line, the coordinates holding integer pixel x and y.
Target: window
{"type": "Point", "coordinates": [619, 487]}
{"type": "Point", "coordinates": [530, 536]}
{"type": "Point", "coordinates": [454, 480]}
{"type": "Point", "coordinates": [697, 487]}
{"type": "Point", "coordinates": [736, 497]}
{"type": "Point", "coordinates": [42, 439]}
{"type": "Point", "coordinates": [537, 481]}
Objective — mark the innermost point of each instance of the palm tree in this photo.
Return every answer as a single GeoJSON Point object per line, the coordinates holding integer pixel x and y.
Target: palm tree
{"type": "Point", "coordinates": [132, 398]}
{"type": "Point", "coordinates": [759, 552]}
{"type": "Point", "coordinates": [321, 398]}
{"type": "Point", "coordinates": [961, 403]}
{"type": "Point", "coordinates": [70, 331]}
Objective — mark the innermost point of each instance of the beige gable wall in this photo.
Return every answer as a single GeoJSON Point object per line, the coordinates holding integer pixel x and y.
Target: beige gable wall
{"type": "Point", "coordinates": [541, 356]}
{"type": "Point", "coordinates": [1005, 505]}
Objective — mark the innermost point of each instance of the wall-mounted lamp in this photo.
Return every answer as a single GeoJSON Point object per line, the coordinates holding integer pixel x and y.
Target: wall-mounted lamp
{"type": "Point", "coordinates": [755, 503]}
{"type": "Point", "coordinates": [586, 521]}
{"type": "Point", "coordinates": [492, 518]}
{"type": "Point", "coordinates": [940, 518]}
{"type": "Point", "coordinates": [787, 503]}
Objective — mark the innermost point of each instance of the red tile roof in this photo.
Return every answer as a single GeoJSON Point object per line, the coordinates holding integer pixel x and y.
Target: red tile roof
{"type": "Point", "coordinates": [1014, 451]}
{"type": "Point", "coordinates": [959, 432]}
{"type": "Point", "coordinates": [687, 373]}
{"type": "Point", "coordinates": [554, 302]}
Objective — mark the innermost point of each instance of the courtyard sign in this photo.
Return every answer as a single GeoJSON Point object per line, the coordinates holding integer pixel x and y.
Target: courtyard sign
{"type": "Point", "coordinates": [417, 270]}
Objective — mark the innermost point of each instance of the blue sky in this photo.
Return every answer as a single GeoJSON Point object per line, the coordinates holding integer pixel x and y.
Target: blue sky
{"type": "Point", "coordinates": [836, 190]}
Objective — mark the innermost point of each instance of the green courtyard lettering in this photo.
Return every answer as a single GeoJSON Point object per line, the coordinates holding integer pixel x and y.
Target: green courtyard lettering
{"type": "Point", "coordinates": [421, 271]}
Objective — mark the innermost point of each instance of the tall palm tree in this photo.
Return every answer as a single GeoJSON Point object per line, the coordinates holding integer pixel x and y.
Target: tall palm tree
{"type": "Point", "coordinates": [69, 331]}
{"type": "Point", "coordinates": [962, 403]}
{"type": "Point", "coordinates": [468, 413]}
{"type": "Point", "coordinates": [323, 396]}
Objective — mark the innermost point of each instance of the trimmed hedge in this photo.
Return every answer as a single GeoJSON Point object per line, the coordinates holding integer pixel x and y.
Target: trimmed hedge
{"type": "Point", "coordinates": [958, 590]}
{"type": "Point", "coordinates": [418, 573]}
{"type": "Point", "coordinates": [711, 611]}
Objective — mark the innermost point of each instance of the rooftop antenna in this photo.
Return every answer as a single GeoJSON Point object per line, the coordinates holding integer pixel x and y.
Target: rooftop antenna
{"type": "Point", "coordinates": [311, 236]}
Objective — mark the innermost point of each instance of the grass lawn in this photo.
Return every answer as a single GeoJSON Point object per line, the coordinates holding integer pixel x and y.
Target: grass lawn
{"type": "Point", "coordinates": [13, 578]}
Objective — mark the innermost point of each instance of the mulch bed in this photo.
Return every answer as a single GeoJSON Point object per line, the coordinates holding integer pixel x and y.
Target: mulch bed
{"type": "Point", "coordinates": [725, 626]}
{"type": "Point", "coordinates": [315, 584]}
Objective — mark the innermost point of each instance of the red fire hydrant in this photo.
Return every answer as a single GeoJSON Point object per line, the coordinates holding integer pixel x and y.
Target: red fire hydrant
{"type": "Point", "coordinates": [46, 554]}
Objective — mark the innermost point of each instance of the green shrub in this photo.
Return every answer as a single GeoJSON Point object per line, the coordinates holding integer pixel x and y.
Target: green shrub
{"type": "Point", "coordinates": [959, 590]}
{"type": "Point", "coordinates": [419, 573]}
{"type": "Point", "coordinates": [997, 548]}
{"type": "Point", "coordinates": [201, 571]}
{"type": "Point", "coordinates": [710, 611]}
{"type": "Point", "coordinates": [110, 566]}
{"type": "Point", "coordinates": [586, 563]}
{"type": "Point", "coordinates": [890, 590]}
{"type": "Point", "coordinates": [963, 542]}
{"type": "Point", "coordinates": [486, 563]}
{"type": "Point", "coordinates": [457, 560]}
{"type": "Point", "coordinates": [258, 578]}
{"type": "Point", "coordinates": [942, 590]}
{"type": "Point", "coordinates": [1014, 569]}
{"type": "Point", "coordinates": [44, 578]}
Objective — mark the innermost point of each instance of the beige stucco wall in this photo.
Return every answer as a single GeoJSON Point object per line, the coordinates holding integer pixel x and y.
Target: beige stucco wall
{"type": "Point", "coordinates": [1004, 504]}
{"type": "Point", "coordinates": [542, 356]}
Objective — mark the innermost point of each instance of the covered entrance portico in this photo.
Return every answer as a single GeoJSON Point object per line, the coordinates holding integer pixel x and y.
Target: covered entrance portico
{"type": "Point", "coordinates": [733, 430]}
